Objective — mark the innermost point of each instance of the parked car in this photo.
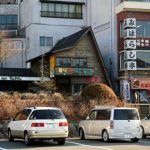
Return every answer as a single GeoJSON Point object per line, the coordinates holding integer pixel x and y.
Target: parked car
{"type": "Point", "coordinates": [111, 123]}
{"type": "Point", "coordinates": [146, 126]}
{"type": "Point", "coordinates": [41, 123]}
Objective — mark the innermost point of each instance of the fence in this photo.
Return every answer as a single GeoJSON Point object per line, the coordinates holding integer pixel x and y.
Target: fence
{"type": "Point", "coordinates": [144, 109]}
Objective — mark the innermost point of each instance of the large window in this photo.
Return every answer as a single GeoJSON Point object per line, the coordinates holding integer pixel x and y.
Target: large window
{"type": "Point", "coordinates": [46, 41]}
{"type": "Point", "coordinates": [61, 10]}
{"type": "Point", "coordinates": [142, 60]}
{"type": "Point", "coordinates": [8, 21]}
{"type": "Point", "coordinates": [71, 62]}
{"type": "Point", "coordinates": [142, 29]}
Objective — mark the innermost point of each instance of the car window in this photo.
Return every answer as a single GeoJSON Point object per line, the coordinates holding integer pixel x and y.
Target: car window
{"type": "Point", "coordinates": [92, 115]}
{"type": "Point", "coordinates": [46, 114]}
{"type": "Point", "coordinates": [126, 114]}
{"type": "Point", "coordinates": [24, 114]}
{"type": "Point", "coordinates": [17, 117]}
{"type": "Point", "coordinates": [103, 115]}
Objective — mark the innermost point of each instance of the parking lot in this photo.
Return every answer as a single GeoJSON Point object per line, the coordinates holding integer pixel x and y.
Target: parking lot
{"type": "Point", "coordinates": [76, 144]}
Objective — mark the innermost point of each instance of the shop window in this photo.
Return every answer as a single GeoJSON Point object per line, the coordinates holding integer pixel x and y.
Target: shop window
{"type": "Point", "coordinates": [61, 10]}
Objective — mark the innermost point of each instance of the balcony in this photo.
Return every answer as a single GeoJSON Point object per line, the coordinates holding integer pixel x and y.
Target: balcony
{"type": "Point", "coordinates": [59, 71]}
{"type": "Point", "coordinates": [133, 5]}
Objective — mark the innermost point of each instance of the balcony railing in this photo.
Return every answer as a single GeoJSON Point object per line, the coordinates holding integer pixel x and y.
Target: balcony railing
{"type": "Point", "coordinates": [59, 71]}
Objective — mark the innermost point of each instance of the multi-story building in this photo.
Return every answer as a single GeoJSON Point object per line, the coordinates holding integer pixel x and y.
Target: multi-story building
{"type": "Point", "coordinates": [133, 31]}
{"type": "Point", "coordinates": [12, 49]}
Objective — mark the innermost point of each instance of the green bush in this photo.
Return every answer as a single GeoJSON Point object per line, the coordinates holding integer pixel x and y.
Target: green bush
{"type": "Point", "coordinates": [98, 91]}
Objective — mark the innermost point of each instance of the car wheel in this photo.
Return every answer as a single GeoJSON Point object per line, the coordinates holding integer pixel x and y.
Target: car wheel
{"type": "Point", "coordinates": [27, 140]}
{"type": "Point", "coordinates": [143, 133]}
{"type": "Point", "coordinates": [10, 137]}
{"type": "Point", "coordinates": [135, 140]}
{"type": "Point", "coordinates": [81, 134]}
{"type": "Point", "coordinates": [61, 141]}
{"type": "Point", "coordinates": [105, 136]}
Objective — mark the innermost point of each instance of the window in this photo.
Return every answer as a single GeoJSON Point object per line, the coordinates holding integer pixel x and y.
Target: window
{"type": "Point", "coordinates": [8, 21]}
{"type": "Point", "coordinates": [71, 62]}
{"type": "Point", "coordinates": [92, 115]}
{"type": "Point", "coordinates": [46, 114]}
{"type": "Point", "coordinates": [63, 62]}
{"type": "Point", "coordinates": [61, 10]}
{"type": "Point", "coordinates": [142, 59]}
{"type": "Point", "coordinates": [103, 115]}
{"type": "Point", "coordinates": [78, 62]}
{"type": "Point", "coordinates": [24, 114]}
{"type": "Point", "coordinates": [142, 29]}
{"type": "Point", "coordinates": [46, 41]}
{"type": "Point", "coordinates": [126, 114]}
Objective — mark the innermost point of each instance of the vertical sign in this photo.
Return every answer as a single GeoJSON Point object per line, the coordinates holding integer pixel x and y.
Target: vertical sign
{"type": "Point", "coordinates": [125, 90]}
{"type": "Point", "coordinates": [130, 44]}
{"type": "Point", "coordinates": [52, 66]}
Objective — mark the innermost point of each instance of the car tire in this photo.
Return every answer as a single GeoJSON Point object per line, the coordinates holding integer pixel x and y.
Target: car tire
{"type": "Point", "coordinates": [27, 140]}
{"type": "Point", "coordinates": [10, 137]}
{"type": "Point", "coordinates": [105, 136]}
{"type": "Point", "coordinates": [61, 141]}
{"type": "Point", "coordinates": [143, 133]}
{"type": "Point", "coordinates": [81, 134]}
{"type": "Point", "coordinates": [135, 140]}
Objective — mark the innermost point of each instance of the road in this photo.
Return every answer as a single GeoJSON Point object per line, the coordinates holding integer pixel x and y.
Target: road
{"type": "Point", "coordinates": [76, 144]}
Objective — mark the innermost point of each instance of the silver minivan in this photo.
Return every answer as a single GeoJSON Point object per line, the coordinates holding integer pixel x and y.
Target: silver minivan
{"type": "Point", "coordinates": [111, 123]}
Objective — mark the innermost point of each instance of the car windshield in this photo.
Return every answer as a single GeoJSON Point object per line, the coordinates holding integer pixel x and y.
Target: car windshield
{"type": "Point", "coordinates": [126, 114]}
{"type": "Point", "coordinates": [47, 114]}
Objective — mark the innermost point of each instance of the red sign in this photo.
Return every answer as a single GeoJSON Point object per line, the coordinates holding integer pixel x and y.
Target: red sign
{"type": "Point", "coordinates": [140, 83]}
{"type": "Point", "coordinates": [93, 80]}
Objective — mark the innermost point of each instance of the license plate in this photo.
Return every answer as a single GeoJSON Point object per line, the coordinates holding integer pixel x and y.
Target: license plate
{"type": "Point", "coordinates": [128, 135]}
{"type": "Point", "coordinates": [51, 125]}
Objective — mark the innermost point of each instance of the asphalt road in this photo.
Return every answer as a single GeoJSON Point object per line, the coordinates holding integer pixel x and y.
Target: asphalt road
{"type": "Point", "coordinates": [76, 144]}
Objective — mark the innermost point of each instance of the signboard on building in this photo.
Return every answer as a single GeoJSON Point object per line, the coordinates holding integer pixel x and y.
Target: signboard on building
{"type": "Point", "coordinates": [130, 44]}
{"type": "Point", "coordinates": [130, 55]}
{"type": "Point", "coordinates": [130, 65]}
{"type": "Point", "coordinates": [140, 83]}
{"type": "Point", "coordinates": [125, 90]}
{"type": "Point", "coordinates": [129, 23]}
{"type": "Point", "coordinates": [129, 33]}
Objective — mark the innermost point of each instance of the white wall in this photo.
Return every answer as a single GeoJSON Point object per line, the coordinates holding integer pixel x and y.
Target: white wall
{"type": "Point", "coordinates": [36, 26]}
{"type": "Point", "coordinates": [34, 32]}
{"type": "Point", "coordinates": [104, 25]}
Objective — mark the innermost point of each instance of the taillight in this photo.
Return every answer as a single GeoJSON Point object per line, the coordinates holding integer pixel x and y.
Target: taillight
{"type": "Point", "coordinates": [63, 124]}
{"type": "Point", "coordinates": [37, 125]}
{"type": "Point", "coordinates": [111, 124]}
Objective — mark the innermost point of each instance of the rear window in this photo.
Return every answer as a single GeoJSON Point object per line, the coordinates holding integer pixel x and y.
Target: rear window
{"type": "Point", "coordinates": [47, 114]}
{"type": "Point", "coordinates": [126, 114]}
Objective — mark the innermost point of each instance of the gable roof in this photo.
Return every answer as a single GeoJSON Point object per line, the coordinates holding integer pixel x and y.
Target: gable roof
{"type": "Point", "coordinates": [69, 41]}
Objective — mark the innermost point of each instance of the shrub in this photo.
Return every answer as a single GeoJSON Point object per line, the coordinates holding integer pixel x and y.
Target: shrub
{"type": "Point", "coordinates": [98, 91]}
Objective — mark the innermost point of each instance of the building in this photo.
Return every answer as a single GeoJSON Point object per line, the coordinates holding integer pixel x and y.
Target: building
{"type": "Point", "coordinates": [74, 62]}
{"type": "Point", "coordinates": [12, 45]}
{"type": "Point", "coordinates": [133, 28]}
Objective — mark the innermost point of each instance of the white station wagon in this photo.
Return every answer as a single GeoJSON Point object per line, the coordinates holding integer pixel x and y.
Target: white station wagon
{"type": "Point", "coordinates": [111, 123]}
{"type": "Point", "coordinates": [42, 123]}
